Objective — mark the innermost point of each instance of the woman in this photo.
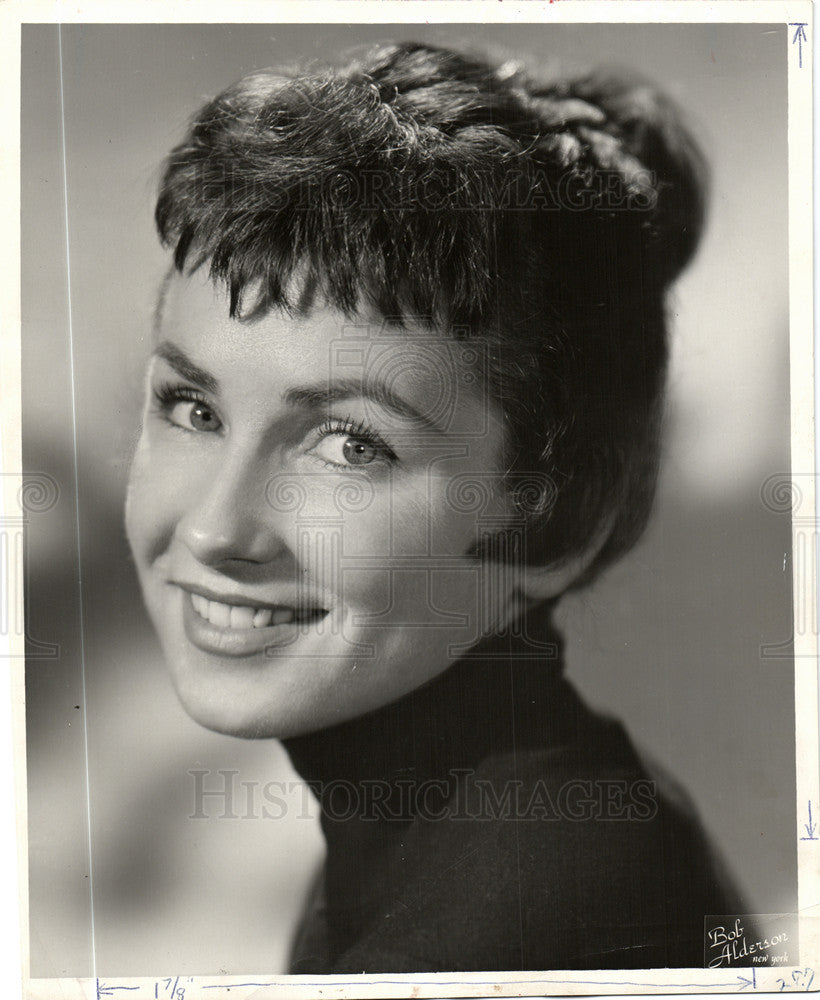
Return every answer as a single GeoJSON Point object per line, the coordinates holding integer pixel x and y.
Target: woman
{"type": "Point", "coordinates": [406, 392]}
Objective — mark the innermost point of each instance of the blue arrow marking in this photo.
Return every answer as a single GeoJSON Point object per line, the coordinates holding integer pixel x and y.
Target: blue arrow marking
{"type": "Point", "coordinates": [747, 982]}
{"type": "Point", "coordinates": [800, 36]}
{"type": "Point", "coordinates": [811, 827]}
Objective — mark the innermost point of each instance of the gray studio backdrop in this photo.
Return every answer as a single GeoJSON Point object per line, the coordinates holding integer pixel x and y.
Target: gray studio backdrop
{"type": "Point", "coordinates": [670, 640]}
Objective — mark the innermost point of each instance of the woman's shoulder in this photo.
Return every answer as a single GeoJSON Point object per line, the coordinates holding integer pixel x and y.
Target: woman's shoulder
{"type": "Point", "coordinates": [552, 857]}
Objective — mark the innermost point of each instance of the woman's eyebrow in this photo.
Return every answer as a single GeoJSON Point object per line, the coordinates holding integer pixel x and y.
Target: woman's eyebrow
{"type": "Point", "coordinates": [325, 393]}
{"type": "Point", "coordinates": [186, 368]}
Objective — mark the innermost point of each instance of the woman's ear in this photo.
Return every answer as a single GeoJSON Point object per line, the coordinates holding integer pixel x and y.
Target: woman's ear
{"type": "Point", "coordinates": [527, 586]}
{"type": "Point", "coordinates": [540, 583]}
{"type": "Point", "coordinates": [516, 586]}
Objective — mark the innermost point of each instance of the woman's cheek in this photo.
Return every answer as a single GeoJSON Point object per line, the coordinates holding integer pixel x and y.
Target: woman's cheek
{"type": "Point", "coordinates": [154, 498]}
{"type": "Point", "coordinates": [355, 543]}
{"type": "Point", "coordinates": [418, 519]}
{"type": "Point", "coordinates": [453, 525]}
{"type": "Point", "coordinates": [346, 556]}
{"type": "Point", "coordinates": [137, 510]}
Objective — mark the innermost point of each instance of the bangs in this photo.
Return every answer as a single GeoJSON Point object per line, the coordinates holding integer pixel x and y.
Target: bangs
{"type": "Point", "coordinates": [373, 210]}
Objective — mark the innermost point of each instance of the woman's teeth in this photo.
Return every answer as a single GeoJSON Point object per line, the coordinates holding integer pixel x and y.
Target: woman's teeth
{"type": "Point", "coordinates": [234, 616]}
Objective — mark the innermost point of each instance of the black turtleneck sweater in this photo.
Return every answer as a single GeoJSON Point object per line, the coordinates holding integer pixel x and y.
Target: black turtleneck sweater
{"type": "Point", "coordinates": [491, 821]}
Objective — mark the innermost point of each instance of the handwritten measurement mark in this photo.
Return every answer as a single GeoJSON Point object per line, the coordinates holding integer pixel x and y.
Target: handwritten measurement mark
{"type": "Point", "coordinates": [512, 982]}
{"type": "Point", "coordinates": [172, 984]}
{"type": "Point", "coordinates": [748, 982]}
{"type": "Point", "coordinates": [800, 982]}
{"type": "Point", "coordinates": [800, 36]}
{"type": "Point", "coordinates": [810, 827]}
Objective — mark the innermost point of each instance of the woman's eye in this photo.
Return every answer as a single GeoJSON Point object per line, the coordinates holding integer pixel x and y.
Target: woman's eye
{"type": "Point", "coordinates": [194, 416]}
{"type": "Point", "coordinates": [185, 408]}
{"type": "Point", "coordinates": [344, 449]}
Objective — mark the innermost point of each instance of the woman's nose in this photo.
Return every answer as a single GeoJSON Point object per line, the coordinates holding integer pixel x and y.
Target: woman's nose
{"type": "Point", "coordinates": [229, 519]}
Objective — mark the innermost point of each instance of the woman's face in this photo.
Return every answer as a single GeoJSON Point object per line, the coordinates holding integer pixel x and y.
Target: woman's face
{"type": "Point", "coordinates": [302, 509]}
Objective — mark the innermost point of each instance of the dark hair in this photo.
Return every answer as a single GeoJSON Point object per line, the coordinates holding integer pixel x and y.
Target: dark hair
{"type": "Point", "coordinates": [547, 217]}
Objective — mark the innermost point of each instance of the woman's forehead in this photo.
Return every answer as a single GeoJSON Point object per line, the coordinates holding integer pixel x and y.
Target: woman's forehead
{"type": "Point", "coordinates": [437, 373]}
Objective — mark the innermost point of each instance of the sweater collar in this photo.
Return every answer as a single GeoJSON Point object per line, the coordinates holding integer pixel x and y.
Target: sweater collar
{"type": "Point", "coordinates": [492, 699]}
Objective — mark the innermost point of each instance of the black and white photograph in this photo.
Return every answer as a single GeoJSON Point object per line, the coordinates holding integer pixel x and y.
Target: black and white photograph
{"type": "Point", "coordinates": [415, 525]}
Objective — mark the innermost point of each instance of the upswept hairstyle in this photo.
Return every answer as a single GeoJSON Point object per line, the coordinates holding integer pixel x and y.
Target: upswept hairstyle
{"type": "Point", "coordinates": [546, 217]}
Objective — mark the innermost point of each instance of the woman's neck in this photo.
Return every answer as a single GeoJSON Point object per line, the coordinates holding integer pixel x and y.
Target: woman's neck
{"type": "Point", "coordinates": [490, 699]}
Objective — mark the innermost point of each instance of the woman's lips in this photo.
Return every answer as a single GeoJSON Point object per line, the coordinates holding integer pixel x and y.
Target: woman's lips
{"type": "Point", "coordinates": [243, 630]}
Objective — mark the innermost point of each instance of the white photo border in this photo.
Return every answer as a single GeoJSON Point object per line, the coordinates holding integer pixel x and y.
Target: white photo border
{"type": "Point", "coordinates": [13, 829]}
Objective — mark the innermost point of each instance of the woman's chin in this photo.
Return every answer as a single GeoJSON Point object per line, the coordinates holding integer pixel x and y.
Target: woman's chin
{"type": "Point", "coordinates": [236, 712]}
{"type": "Point", "coordinates": [229, 721]}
